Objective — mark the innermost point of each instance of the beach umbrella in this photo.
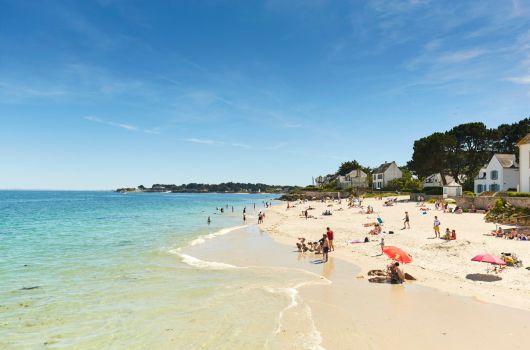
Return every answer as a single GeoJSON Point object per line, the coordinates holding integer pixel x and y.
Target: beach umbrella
{"type": "Point", "coordinates": [397, 254]}
{"type": "Point", "coordinates": [488, 258]}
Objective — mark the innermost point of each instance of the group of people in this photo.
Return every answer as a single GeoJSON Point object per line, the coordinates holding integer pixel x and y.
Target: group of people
{"type": "Point", "coordinates": [395, 273]}
{"type": "Point", "coordinates": [323, 246]}
{"type": "Point", "coordinates": [513, 234]}
{"type": "Point", "coordinates": [450, 235]}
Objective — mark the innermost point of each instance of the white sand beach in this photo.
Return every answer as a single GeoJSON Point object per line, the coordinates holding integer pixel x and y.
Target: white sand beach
{"type": "Point", "coordinates": [327, 307]}
{"type": "Point", "coordinates": [437, 263]}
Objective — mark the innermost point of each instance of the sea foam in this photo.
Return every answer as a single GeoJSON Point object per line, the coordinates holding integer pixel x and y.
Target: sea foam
{"type": "Point", "coordinates": [221, 232]}
{"type": "Point", "coordinates": [202, 264]}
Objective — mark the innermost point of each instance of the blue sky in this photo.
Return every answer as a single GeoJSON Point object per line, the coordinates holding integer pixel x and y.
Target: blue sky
{"type": "Point", "coordinates": [100, 94]}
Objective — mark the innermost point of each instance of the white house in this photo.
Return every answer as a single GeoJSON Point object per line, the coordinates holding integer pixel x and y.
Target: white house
{"type": "Point", "coordinates": [385, 173]}
{"type": "Point", "coordinates": [500, 174]}
{"type": "Point", "coordinates": [435, 180]}
{"type": "Point", "coordinates": [524, 163]}
{"type": "Point", "coordinates": [355, 178]}
{"type": "Point", "coordinates": [452, 189]}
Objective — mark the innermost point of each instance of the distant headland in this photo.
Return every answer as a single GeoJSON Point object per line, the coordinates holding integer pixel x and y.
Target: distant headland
{"type": "Point", "coordinates": [225, 187]}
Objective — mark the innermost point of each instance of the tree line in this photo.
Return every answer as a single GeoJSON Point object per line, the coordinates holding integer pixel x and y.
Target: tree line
{"type": "Point", "coordinates": [463, 150]}
{"type": "Point", "coordinates": [225, 187]}
{"type": "Point", "coordinates": [459, 153]}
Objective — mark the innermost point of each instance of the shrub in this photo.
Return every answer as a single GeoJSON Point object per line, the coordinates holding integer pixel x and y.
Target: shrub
{"type": "Point", "coordinates": [469, 193]}
{"type": "Point", "coordinates": [433, 190]}
{"type": "Point", "coordinates": [518, 194]}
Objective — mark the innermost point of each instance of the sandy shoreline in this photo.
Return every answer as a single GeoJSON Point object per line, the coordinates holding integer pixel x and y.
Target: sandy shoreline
{"type": "Point", "coordinates": [438, 264]}
{"type": "Point", "coordinates": [352, 313]}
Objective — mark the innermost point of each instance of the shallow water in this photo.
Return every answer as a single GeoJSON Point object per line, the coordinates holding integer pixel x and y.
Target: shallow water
{"type": "Point", "coordinates": [107, 270]}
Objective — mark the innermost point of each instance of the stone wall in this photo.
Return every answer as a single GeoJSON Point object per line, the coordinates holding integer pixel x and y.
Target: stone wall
{"type": "Point", "coordinates": [414, 196]}
{"type": "Point", "coordinates": [482, 203]}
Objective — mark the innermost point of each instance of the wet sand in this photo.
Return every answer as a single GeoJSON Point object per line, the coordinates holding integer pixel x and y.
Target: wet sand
{"type": "Point", "coordinates": [351, 313]}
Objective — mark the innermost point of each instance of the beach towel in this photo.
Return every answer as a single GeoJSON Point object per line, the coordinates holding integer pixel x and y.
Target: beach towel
{"type": "Point", "coordinates": [379, 220]}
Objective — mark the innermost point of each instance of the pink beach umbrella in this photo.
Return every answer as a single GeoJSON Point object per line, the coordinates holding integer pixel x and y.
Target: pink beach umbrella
{"type": "Point", "coordinates": [488, 258]}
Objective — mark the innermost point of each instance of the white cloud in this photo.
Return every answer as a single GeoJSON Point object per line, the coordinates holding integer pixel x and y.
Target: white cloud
{"type": "Point", "coordinates": [292, 125]}
{"type": "Point", "coordinates": [523, 80]}
{"type": "Point", "coordinates": [241, 145]}
{"type": "Point", "coordinates": [111, 123]}
{"type": "Point", "coordinates": [276, 146]}
{"type": "Point", "coordinates": [202, 141]}
{"type": "Point", "coordinates": [217, 142]}
{"type": "Point", "coordinates": [461, 56]}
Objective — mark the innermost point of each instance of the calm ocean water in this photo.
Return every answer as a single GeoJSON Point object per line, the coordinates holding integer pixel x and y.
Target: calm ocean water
{"type": "Point", "coordinates": [102, 270]}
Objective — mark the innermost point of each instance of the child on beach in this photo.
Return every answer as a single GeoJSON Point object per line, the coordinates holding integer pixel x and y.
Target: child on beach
{"type": "Point", "coordinates": [406, 221]}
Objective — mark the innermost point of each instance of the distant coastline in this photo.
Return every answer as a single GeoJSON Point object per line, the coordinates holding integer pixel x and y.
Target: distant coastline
{"type": "Point", "coordinates": [226, 187]}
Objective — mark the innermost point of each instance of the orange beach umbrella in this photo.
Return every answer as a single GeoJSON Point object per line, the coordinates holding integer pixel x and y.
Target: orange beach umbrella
{"type": "Point", "coordinates": [397, 254]}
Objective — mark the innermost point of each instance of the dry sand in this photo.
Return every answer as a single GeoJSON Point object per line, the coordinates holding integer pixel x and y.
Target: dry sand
{"type": "Point", "coordinates": [437, 263]}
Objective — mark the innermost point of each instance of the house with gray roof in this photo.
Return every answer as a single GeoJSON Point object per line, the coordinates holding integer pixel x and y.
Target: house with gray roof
{"type": "Point", "coordinates": [385, 173]}
{"type": "Point", "coordinates": [500, 174]}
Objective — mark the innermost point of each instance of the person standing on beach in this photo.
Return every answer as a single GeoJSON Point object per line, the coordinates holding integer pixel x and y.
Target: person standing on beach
{"type": "Point", "coordinates": [436, 226]}
{"type": "Point", "coordinates": [382, 245]}
{"type": "Point", "coordinates": [209, 221]}
{"type": "Point", "coordinates": [244, 218]}
{"type": "Point", "coordinates": [406, 221]}
{"type": "Point", "coordinates": [244, 210]}
{"type": "Point", "coordinates": [325, 247]}
{"type": "Point", "coordinates": [329, 234]}
{"type": "Point", "coordinates": [260, 218]}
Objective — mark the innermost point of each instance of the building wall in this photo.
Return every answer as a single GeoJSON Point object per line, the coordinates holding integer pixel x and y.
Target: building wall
{"type": "Point", "coordinates": [506, 177]}
{"type": "Point", "coordinates": [524, 168]}
{"type": "Point", "coordinates": [510, 179]}
{"type": "Point", "coordinates": [391, 173]}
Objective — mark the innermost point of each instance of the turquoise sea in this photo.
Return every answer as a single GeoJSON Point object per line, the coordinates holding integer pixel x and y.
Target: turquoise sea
{"type": "Point", "coordinates": [104, 270]}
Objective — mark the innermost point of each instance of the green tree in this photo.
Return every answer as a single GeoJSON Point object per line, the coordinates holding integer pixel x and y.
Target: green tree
{"type": "Point", "coordinates": [347, 167]}
{"type": "Point", "coordinates": [430, 155]}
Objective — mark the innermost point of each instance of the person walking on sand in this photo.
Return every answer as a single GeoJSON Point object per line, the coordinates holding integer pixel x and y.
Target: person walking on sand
{"type": "Point", "coordinates": [436, 226]}
{"type": "Point", "coordinates": [325, 247]}
{"type": "Point", "coordinates": [260, 218]}
{"type": "Point", "coordinates": [329, 234]}
{"type": "Point", "coordinates": [406, 221]}
{"type": "Point", "coordinates": [382, 244]}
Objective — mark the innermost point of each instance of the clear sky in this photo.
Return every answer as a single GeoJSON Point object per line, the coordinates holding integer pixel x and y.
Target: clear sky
{"type": "Point", "coordinates": [100, 94]}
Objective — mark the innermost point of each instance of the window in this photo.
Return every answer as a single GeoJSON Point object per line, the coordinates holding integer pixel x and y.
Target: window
{"type": "Point", "coordinates": [494, 174]}
{"type": "Point", "coordinates": [494, 187]}
{"type": "Point", "coordinates": [380, 176]}
{"type": "Point", "coordinates": [375, 177]}
{"type": "Point", "coordinates": [479, 188]}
